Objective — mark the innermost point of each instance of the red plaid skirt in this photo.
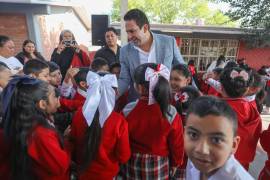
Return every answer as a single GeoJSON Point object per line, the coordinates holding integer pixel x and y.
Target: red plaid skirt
{"type": "Point", "coordinates": [146, 166]}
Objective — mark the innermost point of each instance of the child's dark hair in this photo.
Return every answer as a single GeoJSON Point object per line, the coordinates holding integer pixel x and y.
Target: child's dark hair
{"type": "Point", "coordinates": [53, 66]}
{"type": "Point", "coordinates": [260, 97]}
{"type": "Point", "coordinates": [218, 70]}
{"type": "Point", "coordinates": [262, 70]}
{"type": "Point", "coordinates": [234, 86]}
{"type": "Point", "coordinates": [221, 59]}
{"type": "Point", "coordinates": [34, 66]}
{"type": "Point", "coordinates": [256, 79]}
{"type": "Point", "coordinates": [231, 64]}
{"type": "Point", "coordinates": [182, 69]}
{"type": "Point", "coordinates": [98, 63]}
{"type": "Point", "coordinates": [210, 105]}
{"type": "Point", "coordinates": [115, 65]}
{"type": "Point", "coordinates": [81, 75]}
{"type": "Point", "coordinates": [92, 138]}
{"type": "Point", "coordinates": [161, 92]}
{"type": "Point", "coordinates": [19, 119]}
{"type": "Point", "coordinates": [191, 62]}
{"type": "Point", "coordinates": [187, 96]}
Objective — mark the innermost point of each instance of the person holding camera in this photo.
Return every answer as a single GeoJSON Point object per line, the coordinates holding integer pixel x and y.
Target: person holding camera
{"type": "Point", "coordinates": [68, 53]}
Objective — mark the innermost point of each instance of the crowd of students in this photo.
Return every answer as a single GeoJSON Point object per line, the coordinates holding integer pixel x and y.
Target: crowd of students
{"type": "Point", "coordinates": [66, 121]}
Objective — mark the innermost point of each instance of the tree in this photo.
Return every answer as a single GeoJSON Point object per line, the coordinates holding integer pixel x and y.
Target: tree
{"type": "Point", "coordinates": [254, 16]}
{"type": "Point", "coordinates": [175, 11]}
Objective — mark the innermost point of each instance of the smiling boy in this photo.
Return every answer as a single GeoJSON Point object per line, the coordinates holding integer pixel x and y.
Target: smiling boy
{"type": "Point", "coordinates": [211, 140]}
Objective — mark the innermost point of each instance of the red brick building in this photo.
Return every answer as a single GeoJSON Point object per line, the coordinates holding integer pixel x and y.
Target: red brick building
{"type": "Point", "coordinates": [42, 21]}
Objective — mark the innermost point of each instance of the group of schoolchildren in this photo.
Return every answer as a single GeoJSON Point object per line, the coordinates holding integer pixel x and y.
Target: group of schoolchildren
{"type": "Point", "coordinates": [54, 129]}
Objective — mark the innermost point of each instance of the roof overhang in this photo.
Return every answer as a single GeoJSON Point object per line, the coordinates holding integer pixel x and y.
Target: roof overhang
{"type": "Point", "coordinates": [194, 31]}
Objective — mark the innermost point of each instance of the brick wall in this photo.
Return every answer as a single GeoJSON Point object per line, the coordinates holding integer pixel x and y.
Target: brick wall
{"type": "Point", "coordinates": [14, 26]}
{"type": "Point", "coordinates": [256, 57]}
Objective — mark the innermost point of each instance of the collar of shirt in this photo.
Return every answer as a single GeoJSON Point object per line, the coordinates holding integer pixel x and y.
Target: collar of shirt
{"type": "Point", "coordinates": [147, 57]}
{"type": "Point", "coordinates": [250, 98]}
{"type": "Point", "coordinates": [230, 170]}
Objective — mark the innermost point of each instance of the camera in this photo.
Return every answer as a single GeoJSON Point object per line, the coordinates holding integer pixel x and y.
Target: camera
{"type": "Point", "coordinates": [68, 43]}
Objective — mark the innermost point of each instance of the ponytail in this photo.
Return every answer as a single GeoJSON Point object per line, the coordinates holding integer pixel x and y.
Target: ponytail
{"type": "Point", "coordinates": [92, 141]}
{"type": "Point", "coordinates": [162, 94]}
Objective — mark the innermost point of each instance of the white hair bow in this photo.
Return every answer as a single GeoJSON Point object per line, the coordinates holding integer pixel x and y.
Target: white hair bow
{"type": "Point", "coordinates": [152, 76]}
{"type": "Point", "coordinates": [100, 95]}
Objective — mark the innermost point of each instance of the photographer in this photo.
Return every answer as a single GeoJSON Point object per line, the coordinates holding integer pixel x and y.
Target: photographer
{"type": "Point", "coordinates": [68, 53]}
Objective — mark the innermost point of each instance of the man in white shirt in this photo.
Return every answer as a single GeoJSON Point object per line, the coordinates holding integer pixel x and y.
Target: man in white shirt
{"type": "Point", "coordinates": [144, 47]}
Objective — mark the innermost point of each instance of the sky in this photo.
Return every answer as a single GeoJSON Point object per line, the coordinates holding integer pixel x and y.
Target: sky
{"type": "Point", "coordinates": [104, 6]}
{"type": "Point", "coordinates": [100, 6]}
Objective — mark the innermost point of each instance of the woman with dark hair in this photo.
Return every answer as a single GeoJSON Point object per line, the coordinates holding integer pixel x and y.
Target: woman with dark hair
{"type": "Point", "coordinates": [98, 134]}
{"type": "Point", "coordinates": [29, 51]}
{"type": "Point", "coordinates": [68, 53]}
{"type": "Point", "coordinates": [36, 150]}
{"type": "Point", "coordinates": [155, 128]}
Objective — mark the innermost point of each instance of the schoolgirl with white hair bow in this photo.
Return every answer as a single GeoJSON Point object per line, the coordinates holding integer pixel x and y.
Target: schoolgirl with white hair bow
{"type": "Point", "coordinates": [99, 135]}
{"type": "Point", "coordinates": [155, 128]}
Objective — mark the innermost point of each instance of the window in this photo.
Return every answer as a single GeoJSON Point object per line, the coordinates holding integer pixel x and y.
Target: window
{"type": "Point", "coordinates": [205, 51]}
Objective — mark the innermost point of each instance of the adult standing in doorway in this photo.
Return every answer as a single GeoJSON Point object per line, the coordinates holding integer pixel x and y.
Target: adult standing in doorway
{"type": "Point", "coordinates": [111, 50]}
{"type": "Point", "coordinates": [144, 47]}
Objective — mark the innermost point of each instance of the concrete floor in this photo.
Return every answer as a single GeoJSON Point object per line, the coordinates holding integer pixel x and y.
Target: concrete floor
{"type": "Point", "coordinates": [261, 156]}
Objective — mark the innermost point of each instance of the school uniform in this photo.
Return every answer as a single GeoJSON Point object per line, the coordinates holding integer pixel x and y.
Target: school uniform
{"type": "Point", "coordinates": [249, 129]}
{"type": "Point", "coordinates": [154, 141]}
{"type": "Point", "coordinates": [213, 92]}
{"type": "Point", "coordinates": [214, 87]}
{"type": "Point", "coordinates": [231, 170]}
{"type": "Point", "coordinates": [49, 160]}
{"type": "Point", "coordinates": [113, 150]}
{"type": "Point", "coordinates": [264, 140]}
{"type": "Point", "coordinates": [121, 102]}
{"type": "Point", "coordinates": [74, 103]}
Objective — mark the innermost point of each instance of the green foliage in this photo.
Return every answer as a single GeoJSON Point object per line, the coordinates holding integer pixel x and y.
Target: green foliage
{"type": "Point", "coordinates": [175, 11]}
{"type": "Point", "coordinates": [254, 15]}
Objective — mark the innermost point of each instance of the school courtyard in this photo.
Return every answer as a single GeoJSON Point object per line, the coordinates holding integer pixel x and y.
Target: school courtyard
{"type": "Point", "coordinates": [261, 155]}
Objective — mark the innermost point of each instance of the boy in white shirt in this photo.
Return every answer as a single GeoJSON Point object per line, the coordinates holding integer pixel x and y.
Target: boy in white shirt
{"type": "Point", "coordinates": [211, 140]}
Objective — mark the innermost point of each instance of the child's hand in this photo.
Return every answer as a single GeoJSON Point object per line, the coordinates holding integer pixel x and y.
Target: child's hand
{"type": "Point", "coordinates": [67, 131]}
{"type": "Point", "coordinates": [70, 74]}
{"type": "Point", "coordinates": [73, 72]}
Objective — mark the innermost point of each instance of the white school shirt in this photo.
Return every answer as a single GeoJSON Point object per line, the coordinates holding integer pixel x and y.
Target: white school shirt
{"type": "Point", "coordinates": [147, 57]}
{"type": "Point", "coordinates": [232, 170]}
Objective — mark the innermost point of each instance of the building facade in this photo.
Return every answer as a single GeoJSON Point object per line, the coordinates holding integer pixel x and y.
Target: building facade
{"type": "Point", "coordinates": [204, 44]}
{"type": "Point", "coordinates": [42, 21]}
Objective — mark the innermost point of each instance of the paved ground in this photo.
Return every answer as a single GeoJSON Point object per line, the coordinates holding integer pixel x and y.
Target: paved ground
{"type": "Point", "coordinates": [261, 156]}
